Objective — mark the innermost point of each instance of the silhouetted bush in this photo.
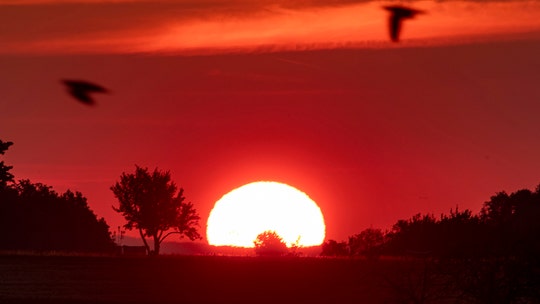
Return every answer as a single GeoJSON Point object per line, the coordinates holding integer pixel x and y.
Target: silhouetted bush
{"type": "Point", "coordinates": [367, 243]}
{"type": "Point", "coordinates": [459, 234]}
{"type": "Point", "coordinates": [269, 243]}
{"type": "Point", "coordinates": [332, 248]}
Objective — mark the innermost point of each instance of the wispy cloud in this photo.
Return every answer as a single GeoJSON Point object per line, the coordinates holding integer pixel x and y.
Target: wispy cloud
{"type": "Point", "coordinates": [46, 26]}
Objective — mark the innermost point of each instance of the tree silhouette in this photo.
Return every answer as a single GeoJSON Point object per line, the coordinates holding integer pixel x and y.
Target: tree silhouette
{"type": "Point", "coordinates": [511, 223]}
{"type": "Point", "coordinates": [460, 235]}
{"type": "Point", "coordinates": [487, 258]}
{"type": "Point", "coordinates": [35, 217]}
{"type": "Point", "coordinates": [460, 257]}
{"type": "Point", "coordinates": [269, 243]}
{"type": "Point", "coordinates": [333, 248]}
{"type": "Point", "coordinates": [41, 219]}
{"type": "Point", "coordinates": [5, 176]}
{"type": "Point", "coordinates": [152, 203]}
{"type": "Point", "coordinates": [415, 235]}
{"type": "Point", "coordinates": [367, 243]}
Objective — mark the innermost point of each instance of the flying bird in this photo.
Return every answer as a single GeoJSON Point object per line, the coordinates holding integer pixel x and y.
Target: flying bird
{"type": "Point", "coordinates": [81, 90]}
{"type": "Point", "coordinates": [397, 14]}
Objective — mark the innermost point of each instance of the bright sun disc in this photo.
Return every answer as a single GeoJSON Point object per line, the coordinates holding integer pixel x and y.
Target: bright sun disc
{"type": "Point", "coordinates": [240, 215]}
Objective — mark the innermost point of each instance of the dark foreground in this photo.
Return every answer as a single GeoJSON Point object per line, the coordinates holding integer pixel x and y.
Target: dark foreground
{"type": "Point", "coordinates": [200, 279]}
{"type": "Point", "coordinates": [75, 279]}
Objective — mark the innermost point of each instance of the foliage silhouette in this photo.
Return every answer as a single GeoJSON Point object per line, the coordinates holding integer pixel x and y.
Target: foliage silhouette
{"type": "Point", "coordinates": [152, 203]}
{"type": "Point", "coordinates": [512, 223]}
{"type": "Point", "coordinates": [367, 243]}
{"type": "Point", "coordinates": [332, 248]}
{"type": "Point", "coordinates": [41, 219]}
{"type": "Point", "coordinates": [35, 217]}
{"type": "Point", "coordinates": [456, 235]}
{"type": "Point", "coordinates": [269, 243]}
{"type": "Point", "coordinates": [491, 257]}
{"type": "Point", "coordinates": [5, 176]}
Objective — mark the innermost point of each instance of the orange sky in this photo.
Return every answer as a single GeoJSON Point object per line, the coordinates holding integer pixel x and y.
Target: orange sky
{"type": "Point", "coordinates": [224, 26]}
{"type": "Point", "coordinates": [311, 93]}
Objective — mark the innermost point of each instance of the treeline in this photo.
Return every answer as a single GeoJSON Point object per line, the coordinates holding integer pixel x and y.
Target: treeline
{"type": "Point", "coordinates": [507, 225]}
{"type": "Point", "coordinates": [34, 217]}
{"type": "Point", "coordinates": [461, 257]}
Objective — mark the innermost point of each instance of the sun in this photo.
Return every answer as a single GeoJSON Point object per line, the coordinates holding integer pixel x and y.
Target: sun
{"type": "Point", "coordinates": [245, 212]}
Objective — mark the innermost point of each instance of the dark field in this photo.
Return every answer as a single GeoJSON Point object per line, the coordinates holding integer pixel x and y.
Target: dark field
{"type": "Point", "coordinates": [199, 279]}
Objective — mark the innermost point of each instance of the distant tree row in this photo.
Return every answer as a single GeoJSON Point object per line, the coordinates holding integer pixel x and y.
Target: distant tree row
{"type": "Point", "coordinates": [490, 257]}
{"type": "Point", "coordinates": [367, 243]}
{"type": "Point", "coordinates": [35, 217]}
{"type": "Point", "coordinates": [5, 176]}
{"type": "Point", "coordinates": [507, 225]}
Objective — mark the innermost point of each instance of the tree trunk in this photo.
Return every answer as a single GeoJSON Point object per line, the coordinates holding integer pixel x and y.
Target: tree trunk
{"type": "Point", "coordinates": [144, 241]}
{"type": "Point", "coordinates": [156, 244]}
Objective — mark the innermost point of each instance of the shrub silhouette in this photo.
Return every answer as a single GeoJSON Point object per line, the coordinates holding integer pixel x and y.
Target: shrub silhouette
{"type": "Point", "coordinates": [269, 243]}
{"type": "Point", "coordinates": [367, 243]}
{"type": "Point", "coordinates": [333, 248]}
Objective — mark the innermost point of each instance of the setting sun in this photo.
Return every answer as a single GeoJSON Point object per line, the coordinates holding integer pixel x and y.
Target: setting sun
{"type": "Point", "coordinates": [243, 213]}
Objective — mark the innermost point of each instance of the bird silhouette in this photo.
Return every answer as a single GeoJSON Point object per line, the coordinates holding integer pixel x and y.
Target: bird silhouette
{"type": "Point", "coordinates": [81, 90]}
{"type": "Point", "coordinates": [397, 14]}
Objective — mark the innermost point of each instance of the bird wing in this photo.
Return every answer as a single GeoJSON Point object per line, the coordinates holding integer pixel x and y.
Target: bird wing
{"type": "Point", "coordinates": [394, 23]}
{"type": "Point", "coordinates": [91, 87]}
{"type": "Point", "coordinates": [83, 97]}
{"type": "Point", "coordinates": [84, 86]}
{"type": "Point", "coordinates": [81, 90]}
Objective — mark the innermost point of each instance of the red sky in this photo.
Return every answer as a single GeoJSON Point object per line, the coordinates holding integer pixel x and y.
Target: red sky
{"type": "Point", "coordinates": [309, 93]}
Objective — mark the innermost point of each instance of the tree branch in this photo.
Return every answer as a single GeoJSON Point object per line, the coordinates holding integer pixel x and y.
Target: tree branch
{"type": "Point", "coordinates": [166, 235]}
{"type": "Point", "coordinates": [144, 241]}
